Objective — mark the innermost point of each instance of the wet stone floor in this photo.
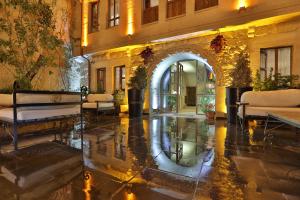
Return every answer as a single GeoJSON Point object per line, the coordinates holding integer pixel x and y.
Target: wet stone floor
{"type": "Point", "coordinates": [157, 158]}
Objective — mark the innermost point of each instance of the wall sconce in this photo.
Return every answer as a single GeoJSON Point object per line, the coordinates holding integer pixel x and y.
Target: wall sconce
{"type": "Point", "coordinates": [130, 17]}
{"type": "Point", "coordinates": [85, 23]}
{"type": "Point", "coordinates": [242, 5]}
{"type": "Point", "coordinates": [129, 36]}
{"type": "Point", "coordinates": [251, 32]}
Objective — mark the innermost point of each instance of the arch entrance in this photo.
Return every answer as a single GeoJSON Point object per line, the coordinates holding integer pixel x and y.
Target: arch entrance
{"type": "Point", "coordinates": [182, 83]}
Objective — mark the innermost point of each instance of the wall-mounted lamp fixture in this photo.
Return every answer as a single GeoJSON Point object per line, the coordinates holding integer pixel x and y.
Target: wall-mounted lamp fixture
{"type": "Point", "coordinates": [130, 17]}
{"type": "Point", "coordinates": [85, 23]}
{"type": "Point", "coordinates": [242, 5]}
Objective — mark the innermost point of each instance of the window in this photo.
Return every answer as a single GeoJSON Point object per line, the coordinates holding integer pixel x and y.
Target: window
{"type": "Point", "coordinates": [202, 4]}
{"type": "Point", "coordinates": [150, 12]}
{"type": "Point", "coordinates": [101, 78]}
{"type": "Point", "coordinates": [114, 13]}
{"type": "Point", "coordinates": [279, 59]}
{"type": "Point", "coordinates": [120, 81]}
{"type": "Point", "coordinates": [94, 25]}
{"type": "Point", "coordinates": [175, 8]}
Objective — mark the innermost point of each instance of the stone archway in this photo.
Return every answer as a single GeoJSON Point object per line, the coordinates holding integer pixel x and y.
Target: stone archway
{"type": "Point", "coordinates": [166, 57]}
{"type": "Point", "coordinates": [191, 48]}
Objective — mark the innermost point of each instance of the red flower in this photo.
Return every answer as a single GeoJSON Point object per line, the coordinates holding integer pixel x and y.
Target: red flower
{"type": "Point", "coordinates": [218, 43]}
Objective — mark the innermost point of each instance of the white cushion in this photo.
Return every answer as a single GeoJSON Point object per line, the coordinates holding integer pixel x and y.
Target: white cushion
{"type": "Point", "coordinates": [263, 111]}
{"type": "Point", "coordinates": [46, 98]}
{"type": "Point", "coordinates": [6, 114]}
{"type": "Point", "coordinates": [94, 105]}
{"type": "Point", "coordinates": [276, 98]}
{"type": "Point", "coordinates": [6, 100]}
{"type": "Point", "coordinates": [99, 97]}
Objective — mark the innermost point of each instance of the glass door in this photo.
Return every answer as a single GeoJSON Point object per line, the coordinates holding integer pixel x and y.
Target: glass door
{"type": "Point", "coordinates": [179, 84]}
{"type": "Point", "coordinates": [205, 89]}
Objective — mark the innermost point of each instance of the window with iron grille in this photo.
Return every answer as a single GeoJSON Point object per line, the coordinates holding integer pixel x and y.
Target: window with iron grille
{"type": "Point", "coordinates": [120, 75]}
{"type": "Point", "coordinates": [94, 25]}
{"type": "Point", "coordinates": [279, 59]}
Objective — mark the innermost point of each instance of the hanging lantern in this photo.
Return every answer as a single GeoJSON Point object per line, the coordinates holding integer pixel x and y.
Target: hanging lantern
{"type": "Point", "coordinates": [218, 43]}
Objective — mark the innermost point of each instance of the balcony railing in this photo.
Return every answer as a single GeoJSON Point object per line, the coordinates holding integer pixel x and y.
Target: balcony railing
{"type": "Point", "coordinates": [150, 15]}
{"type": "Point", "coordinates": [202, 4]}
{"type": "Point", "coordinates": [175, 8]}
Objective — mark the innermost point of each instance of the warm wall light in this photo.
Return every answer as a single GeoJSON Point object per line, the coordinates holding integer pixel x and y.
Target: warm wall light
{"type": "Point", "coordinates": [242, 5]}
{"type": "Point", "coordinates": [85, 23]}
{"type": "Point", "coordinates": [130, 17]}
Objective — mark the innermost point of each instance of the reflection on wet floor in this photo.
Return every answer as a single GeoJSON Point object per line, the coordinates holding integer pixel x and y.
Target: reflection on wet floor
{"type": "Point", "coordinates": [161, 158]}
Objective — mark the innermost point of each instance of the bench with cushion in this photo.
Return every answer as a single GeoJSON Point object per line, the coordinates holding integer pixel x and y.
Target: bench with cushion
{"type": "Point", "coordinates": [25, 106]}
{"type": "Point", "coordinates": [99, 102]}
{"type": "Point", "coordinates": [257, 104]}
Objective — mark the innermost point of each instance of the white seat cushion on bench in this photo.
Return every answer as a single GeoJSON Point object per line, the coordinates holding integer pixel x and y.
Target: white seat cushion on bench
{"type": "Point", "coordinates": [99, 97]}
{"type": "Point", "coordinates": [39, 113]}
{"type": "Point", "coordinates": [89, 105]}
{"type": "Point", "coordinates": [276, 98]}
{"type": "Point", "coordinates": [7, 99]}
{"type": "Point", "coordinates": [263, 111]}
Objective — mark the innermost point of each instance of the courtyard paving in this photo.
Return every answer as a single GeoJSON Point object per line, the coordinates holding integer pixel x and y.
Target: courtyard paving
{"type": "Point", "coordinates": [160, 158]}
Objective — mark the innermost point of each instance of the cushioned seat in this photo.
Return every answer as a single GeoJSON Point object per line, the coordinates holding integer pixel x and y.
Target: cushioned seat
{"type": "Point", "coordinates": [105, 102]}
{"type": "Point", "coordinates": [39, 113]}
{"type": "Point", "coordinates": [263, 111]}
{"type": "Point", "coordinates": [259, 103]}
{"type": "Point", "coordinates": [100, 105]}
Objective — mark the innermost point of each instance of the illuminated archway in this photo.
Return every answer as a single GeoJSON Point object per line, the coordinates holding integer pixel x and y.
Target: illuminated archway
{"type": "Point", "coordinates": [161, 67]}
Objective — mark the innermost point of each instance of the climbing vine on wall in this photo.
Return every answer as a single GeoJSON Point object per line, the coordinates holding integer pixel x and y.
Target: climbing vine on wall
{"type": "Point", "coordinates": [30, 39]}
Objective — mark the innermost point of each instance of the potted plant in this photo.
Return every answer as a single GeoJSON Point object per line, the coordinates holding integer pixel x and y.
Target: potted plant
{"type": "Point", "coordinates": [241, 82]}
{"type": "Point", "coordinates": [172, 103]}
{"type": "Point", "coordinates": [119, 99]}
{"type": "Point", "coordinates": [210, 112]}
{"type": "Point", "coordinates": [137, 85]}
{"type": "Point", "coordinates": [274, 81]}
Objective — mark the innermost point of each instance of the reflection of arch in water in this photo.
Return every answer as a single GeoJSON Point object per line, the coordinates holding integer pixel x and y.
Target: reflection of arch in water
{"type": "Point", "coordinates": [166, 164]}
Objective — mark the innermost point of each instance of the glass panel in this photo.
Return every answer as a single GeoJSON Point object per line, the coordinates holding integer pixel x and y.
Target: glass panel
{"type": "Point", "coordinates": [111, 10]}
{"type": "Point", "coordinates": [153, 3]}
{"type": "Point", "coordinates": [117, 8]}
{"type": "Point", "coordinates": [117, 78]}
{"type": "Point", "coordinates": [123, 84]}
{"type": "Point", "coordinates": [111, 23]}
{"type": "Point", "coordinates": [205, 89]}
{"type": "Point", "coordinates": [270, 61]}
{"type": "Point", "coordinates": [117, 22]}
{"type": "Point", "coordinates": [284, 61]}
{"type": "Point", "coordinates": [123, 72]}
{"type": "Point", "coordinates": [168, 94]}
{"type": "Point", "coordinates": [263, 60]}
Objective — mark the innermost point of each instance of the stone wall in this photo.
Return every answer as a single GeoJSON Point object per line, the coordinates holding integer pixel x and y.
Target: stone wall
{"type": "Point", "coordinates": [251, 40]}
{"type": "Point", "coordinates": [48, 78]}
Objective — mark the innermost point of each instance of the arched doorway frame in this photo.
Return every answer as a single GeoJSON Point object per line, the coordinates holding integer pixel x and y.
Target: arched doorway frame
{"type": "Point", "coordinates": [167, 56]}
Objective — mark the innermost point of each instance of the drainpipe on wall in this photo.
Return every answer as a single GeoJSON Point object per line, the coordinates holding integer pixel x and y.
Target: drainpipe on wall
{"type": "Point", "coordinates": [81, 50]}
{"type": "Point", "coordinates": [89, 68]}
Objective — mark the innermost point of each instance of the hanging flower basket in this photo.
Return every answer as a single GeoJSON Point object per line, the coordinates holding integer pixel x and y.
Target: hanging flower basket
{"type": "Point", "coordinates": [147, 55]}
{"type": "Point", "coordinates": [218, 43]}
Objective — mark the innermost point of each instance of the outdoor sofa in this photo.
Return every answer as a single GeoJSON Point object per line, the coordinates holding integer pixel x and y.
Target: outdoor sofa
{"type": "Point", "coordinates": [257, 104]}
{"type": "Point", "coordinates": [99, 102]}
{"type": "Point", "coordinates": [26, 106]}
